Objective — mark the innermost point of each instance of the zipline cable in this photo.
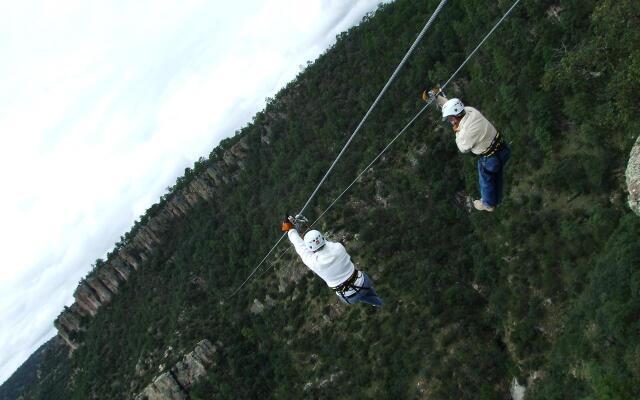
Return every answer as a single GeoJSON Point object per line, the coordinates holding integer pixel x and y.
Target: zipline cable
{"type": "Point", "coordinates": [376, 101]}
{"type": "Point", "coordinates": [418, 114]}
{"type": "Point", "coordinates": [385, 148]}
{"type": "Point", "coordinates": [355, 132]}
{"type": "Point", "coordinates": [258, 266]}
{"type": "Point", "coordinates": [412, 120]}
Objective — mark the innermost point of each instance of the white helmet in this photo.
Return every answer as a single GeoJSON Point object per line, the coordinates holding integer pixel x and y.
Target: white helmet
{"type": "Point", "coordinates": [452, 107]}
{"type": "Point", "coordinates": [314, 240]}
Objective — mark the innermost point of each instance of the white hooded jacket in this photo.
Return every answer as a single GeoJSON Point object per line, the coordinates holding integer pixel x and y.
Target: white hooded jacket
{"type": "Point", "coordinates": [332, 263]}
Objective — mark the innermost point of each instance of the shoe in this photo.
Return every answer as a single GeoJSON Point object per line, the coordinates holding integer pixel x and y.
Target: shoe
{"type": "Point", "coordinates": [480, 206]}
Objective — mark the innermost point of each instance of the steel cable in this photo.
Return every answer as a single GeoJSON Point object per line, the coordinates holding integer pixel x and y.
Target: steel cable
{"type": "Point", "coordinates": [355, 132]}
{"type": "Point", "coordinates": [402, 131]}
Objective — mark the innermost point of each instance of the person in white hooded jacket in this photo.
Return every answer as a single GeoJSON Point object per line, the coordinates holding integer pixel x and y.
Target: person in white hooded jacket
{"type": "Point", "coordinates": [331, 262]}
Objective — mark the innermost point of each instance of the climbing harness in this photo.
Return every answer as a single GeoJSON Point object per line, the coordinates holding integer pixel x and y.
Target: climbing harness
{"type": "Point", "coordinates": [429, 102]}
{"type": "Point", "coordinates": [348, 284]}
{"type": "Point", "coordinates": [494, 147]}
{"type": "Point", "coordinates": [348, 288]}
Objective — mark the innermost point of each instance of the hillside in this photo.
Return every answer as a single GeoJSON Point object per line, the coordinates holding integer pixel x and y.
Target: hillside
{"type": "Point", "coordinates": [546, 289]}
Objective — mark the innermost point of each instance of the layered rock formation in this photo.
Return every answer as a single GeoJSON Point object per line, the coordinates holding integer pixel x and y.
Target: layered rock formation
{"type": "Point", "coordinates": [100, 287]}
{"type": "Point", "coordinates": [176, 383]}
{"type": "Point", "coordinates": [633, 178]}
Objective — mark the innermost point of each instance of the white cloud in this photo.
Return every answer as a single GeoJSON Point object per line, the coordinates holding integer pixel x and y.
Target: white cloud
{"type": "Point", "coordinates": [103, 105]}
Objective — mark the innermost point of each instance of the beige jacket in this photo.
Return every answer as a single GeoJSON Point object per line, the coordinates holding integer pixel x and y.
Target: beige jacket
{"type": "Point", "coordinates": [475, 133]}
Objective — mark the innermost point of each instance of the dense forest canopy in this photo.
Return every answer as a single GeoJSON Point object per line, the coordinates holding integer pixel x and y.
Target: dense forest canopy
{"type": "Point", "coordinates": [546, 289]}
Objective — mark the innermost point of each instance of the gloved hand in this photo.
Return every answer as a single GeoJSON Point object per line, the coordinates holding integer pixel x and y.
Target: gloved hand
{"type": "Point", "coordinates": [287, 225]}
{"type": "Point", "coordinates": [430, 94]}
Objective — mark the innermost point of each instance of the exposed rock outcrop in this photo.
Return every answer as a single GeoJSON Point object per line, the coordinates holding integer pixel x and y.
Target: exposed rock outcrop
{"type": "Point", "coordinates": [110, 277]}
{"type": "Point", "coordinates": [128, 258]}
{"type": "Point", "coordinates": [633, 178]}
{"type": "Point", "coordinates": [164, 387]}
{"type": "Point", "coordinates": [256, 307]}
{"type": "Point", "coordinates": [103, 284]}
{"type": "Point", "coordinates": [100, 289]}
{"type": "Point", "coordinates": [121, 268]}
{"type": "Point", "coordinates": [67, 324]}
{"type": "Point", "coordinates": [176, 383]}
{"type": "Point", "coordinates": [86, 298]}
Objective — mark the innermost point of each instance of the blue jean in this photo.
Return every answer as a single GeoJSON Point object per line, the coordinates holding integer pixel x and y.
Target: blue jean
{"type": "Point", "coordinates": [365, 295]}
{"type": "Point", "coordinates": [491, 174]}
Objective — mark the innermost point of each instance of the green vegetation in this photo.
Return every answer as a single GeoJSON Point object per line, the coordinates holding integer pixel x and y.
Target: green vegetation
{"type": "Point", "coordinates": [547, 286]}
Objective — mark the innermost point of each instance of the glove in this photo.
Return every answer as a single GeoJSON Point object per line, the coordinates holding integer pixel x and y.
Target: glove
{"type": "Point", "coordinates": [427, 94]}
{"type": "Point", "coordinates": [287, 225]}
{"type": "Point", "coordinates": [430, 94]}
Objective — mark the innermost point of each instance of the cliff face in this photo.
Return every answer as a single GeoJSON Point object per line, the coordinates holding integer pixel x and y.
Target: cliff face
{"type": "Point", "coordinates": [633, 178]}
{"type": "Point", "coordinates": [100, 287]}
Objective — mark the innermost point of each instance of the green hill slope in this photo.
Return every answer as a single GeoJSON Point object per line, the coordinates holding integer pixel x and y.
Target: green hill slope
{"type": "Point", "coordinates": [546, 289]}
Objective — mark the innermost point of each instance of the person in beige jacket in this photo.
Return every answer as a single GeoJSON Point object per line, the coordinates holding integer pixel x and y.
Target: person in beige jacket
{"type": "Point", "coordinates": [475, 134]}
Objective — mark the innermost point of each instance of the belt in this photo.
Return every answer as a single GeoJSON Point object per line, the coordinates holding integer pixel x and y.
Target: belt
{"type": "Point", "coordinates": [496, 145]}
{"type": "Point", "coordinates": [350, 282]}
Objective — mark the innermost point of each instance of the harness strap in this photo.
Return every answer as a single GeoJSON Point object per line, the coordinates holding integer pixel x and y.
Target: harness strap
{"type": "Point", "coordinates": [496, 144]}
{"type": "Point", "coordinates": [347, 283]}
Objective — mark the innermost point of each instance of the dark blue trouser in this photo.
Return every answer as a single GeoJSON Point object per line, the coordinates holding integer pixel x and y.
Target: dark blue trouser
{"type": "Point", "coordinates": [491, 174]}
{"type": "Point", "coordinates": [365, 295]}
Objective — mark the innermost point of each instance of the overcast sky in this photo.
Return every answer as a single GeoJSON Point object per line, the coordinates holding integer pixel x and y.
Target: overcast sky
{"type": "Point", "coordinates": [104, 104]}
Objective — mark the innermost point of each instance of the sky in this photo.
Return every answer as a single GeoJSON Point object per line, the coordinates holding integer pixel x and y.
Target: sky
{"type": "Point", "coordinates": [104, 104]}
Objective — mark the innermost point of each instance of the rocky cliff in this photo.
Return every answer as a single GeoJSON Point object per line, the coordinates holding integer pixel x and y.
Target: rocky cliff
{"type": "Point", "coordinates": [175, 383]}
{"type": "Point", "coordinates": [633, 178]}
{"type": "Point", "coordinates": [103, 283]}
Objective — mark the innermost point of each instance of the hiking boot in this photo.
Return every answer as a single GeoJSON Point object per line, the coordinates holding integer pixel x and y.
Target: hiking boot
{"type": "Point", "coordinates": [480, 206]}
